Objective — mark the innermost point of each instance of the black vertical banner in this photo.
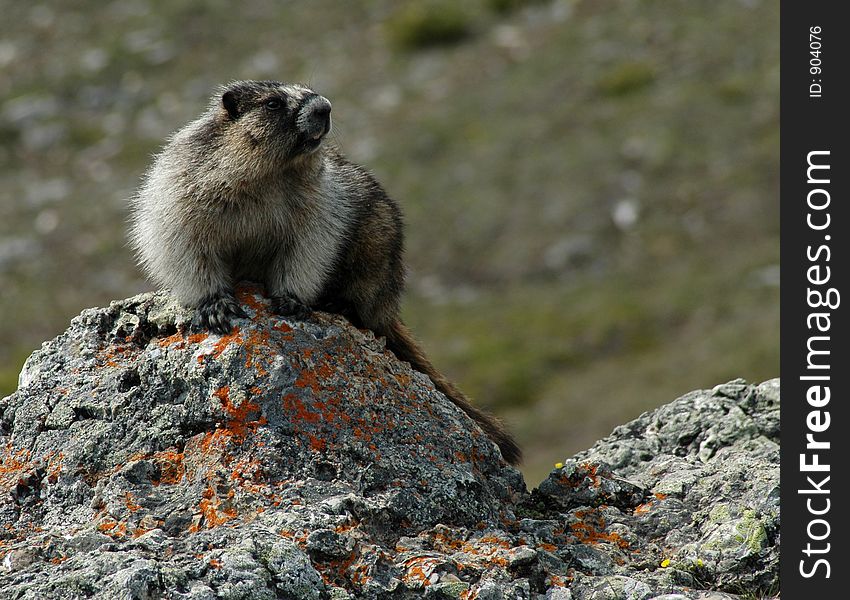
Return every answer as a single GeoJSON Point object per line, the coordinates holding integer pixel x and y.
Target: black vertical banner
{"type": "Point", "coordinates": [815, 226]}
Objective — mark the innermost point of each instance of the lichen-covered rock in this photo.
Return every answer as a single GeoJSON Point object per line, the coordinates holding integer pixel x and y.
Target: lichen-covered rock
{"type": "Point", "coordinates": [710, 462]}
{"type": "Point", "coordinates": [144, 460]}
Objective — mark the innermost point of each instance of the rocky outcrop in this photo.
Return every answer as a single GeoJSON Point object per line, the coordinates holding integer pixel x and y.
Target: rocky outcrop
{"type": "Point", "coordinates": [299, 459]}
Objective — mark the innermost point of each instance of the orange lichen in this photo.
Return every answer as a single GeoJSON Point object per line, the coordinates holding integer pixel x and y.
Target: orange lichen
{"type": "Point", "coordinates": [215, 510]}
{"type": "Point", "coordinates": [308, 379]}
{"type": "Point", "coordinates": [586, 471]}
{"type": "Point", "coordinates": [247, 469]}
{"type": "Point", "coordinates": [176, 338]}
{"type": "Point", "coordinates": [130, 503]}
{"type": "Point", "coordinates": [647, 506]}
{"type": "Point", "coordinates": [643, 508]}
{"type": "Point", "coordinates": [591, 530]}
{"type": "Point", "coordinates": [247, 294]}
{"type": "Point", "coordinates": [171, 467]}
{"type": "Point", "coordinates": [488, 549]}
{"type": "Point", "coordinates": [234, 337]}
{"type": "Point", "coordinates": [346, 527]}
{"type": "Point", "coordinates": [253, 344]}
{"type": "Point", "coordinates": [54, 467]}
{"type": "Point", "coordinates": [493, 540]}
{"type": "Point", "coordinates": [311, 375]}
{"type": "Point", "coordinates": [223, 394]}
{"type": "Point", "coordinates": [316, 443]}
{"type": "Point", "coordinates": [295, 405]}
{"type": "Point", "coordinates": [418, 569]}
{"type": "Point", "coordinates": [240, 421]}
{"type": "Point", "coordinates": [13, 464]}
{"type": "Point", "coordinates": [334, 572]}
{"type": "Point", "coordinates": [112, 528]}
{"type": "Point", "coordinates": [18, 464]}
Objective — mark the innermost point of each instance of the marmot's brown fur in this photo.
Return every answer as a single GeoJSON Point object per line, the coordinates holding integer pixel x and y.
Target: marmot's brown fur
{"type": "Point", "coordinates": [253, 190]}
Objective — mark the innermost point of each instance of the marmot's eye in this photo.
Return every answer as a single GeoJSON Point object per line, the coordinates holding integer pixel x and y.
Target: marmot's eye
{"type": "Point", "coordinates": [273, 104]}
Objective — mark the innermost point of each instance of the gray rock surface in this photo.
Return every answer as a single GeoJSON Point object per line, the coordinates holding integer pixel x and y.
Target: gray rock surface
{"type": "Point", "coordinates": [143, 460]}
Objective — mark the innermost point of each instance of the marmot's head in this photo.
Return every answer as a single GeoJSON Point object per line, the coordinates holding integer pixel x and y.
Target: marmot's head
{"type": "Point", "coordinates": [288, 120]}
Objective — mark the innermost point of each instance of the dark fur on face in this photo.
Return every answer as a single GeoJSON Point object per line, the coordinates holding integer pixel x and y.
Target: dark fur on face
{"type": "Point", "coordinates": [289, 119]}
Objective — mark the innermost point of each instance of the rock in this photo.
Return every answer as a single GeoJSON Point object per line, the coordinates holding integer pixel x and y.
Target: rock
{"type": "Point", "coordinates": [142, 459]}
{"type": "Point", "coordinates": [711, 464]}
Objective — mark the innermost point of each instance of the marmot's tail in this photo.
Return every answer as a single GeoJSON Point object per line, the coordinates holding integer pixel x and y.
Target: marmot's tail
{"type": "Point", "coordinates": [405, 347]}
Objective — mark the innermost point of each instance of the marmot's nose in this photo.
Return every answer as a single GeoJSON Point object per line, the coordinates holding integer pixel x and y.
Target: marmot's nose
{"type": "Point", "coordinates": [315, 117]}
{"type": "Point", "coordinates": [320, 107]}
{"type": "Point", "coordinates": [316, 109]}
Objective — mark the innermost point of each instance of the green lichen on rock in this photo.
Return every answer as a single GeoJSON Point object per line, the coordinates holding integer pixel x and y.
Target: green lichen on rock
{"type": "Point", "coordinates": [752, 532]}
{"type": "Point", "coordinates": [719, 513]}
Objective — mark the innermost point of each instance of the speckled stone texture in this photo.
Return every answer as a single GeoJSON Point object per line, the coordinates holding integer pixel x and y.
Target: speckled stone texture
{"type": "Point", "coordinates": [299, 459]}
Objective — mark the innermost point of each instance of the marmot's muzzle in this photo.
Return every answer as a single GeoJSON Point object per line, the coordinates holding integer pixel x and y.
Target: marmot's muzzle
{"type": "Point", "coordinates": [314, 117]}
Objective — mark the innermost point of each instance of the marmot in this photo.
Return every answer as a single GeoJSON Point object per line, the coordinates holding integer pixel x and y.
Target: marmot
{"type": "Point", "coordinates": [253, 190]}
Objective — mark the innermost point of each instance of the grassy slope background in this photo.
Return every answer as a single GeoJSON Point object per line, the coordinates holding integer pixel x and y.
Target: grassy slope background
{"type": "Point", "coordinates": [591, 187]}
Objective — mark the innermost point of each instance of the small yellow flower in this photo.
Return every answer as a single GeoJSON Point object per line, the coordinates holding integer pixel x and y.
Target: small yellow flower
{"type": "Point", "coordinates": [665, 563]}
{"type": "Point", "coordinates": [559, 465]}
{"type": "Point", "coordinates": [699, 562]}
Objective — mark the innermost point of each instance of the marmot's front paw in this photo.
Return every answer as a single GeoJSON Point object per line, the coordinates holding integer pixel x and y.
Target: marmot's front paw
{"type": "Point", "coordinates": [216, 312]}
{"type": "Point", "coordinates": [290, 306]}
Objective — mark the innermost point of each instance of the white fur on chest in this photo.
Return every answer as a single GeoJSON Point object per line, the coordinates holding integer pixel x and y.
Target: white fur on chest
{"type": "Point", "coordinates": [313, 244]}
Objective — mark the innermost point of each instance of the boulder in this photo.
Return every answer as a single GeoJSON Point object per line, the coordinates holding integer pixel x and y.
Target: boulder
{"type": "Point", "coordinates": [143, 459]}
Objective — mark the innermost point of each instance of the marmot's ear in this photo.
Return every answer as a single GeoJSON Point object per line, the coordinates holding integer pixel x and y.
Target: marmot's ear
{"type": "Point", "coordinates": [230, 101]}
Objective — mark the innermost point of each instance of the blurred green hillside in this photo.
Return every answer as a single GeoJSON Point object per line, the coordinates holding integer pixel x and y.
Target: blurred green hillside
{"type": "Point", "coordinates": [590, 186]}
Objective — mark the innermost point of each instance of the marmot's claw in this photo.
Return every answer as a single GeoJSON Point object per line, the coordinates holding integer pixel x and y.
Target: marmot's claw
{"type": "Point", "coordinates": [290, 306]}
{"type": "Point", "coordinates": [216, 314]}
